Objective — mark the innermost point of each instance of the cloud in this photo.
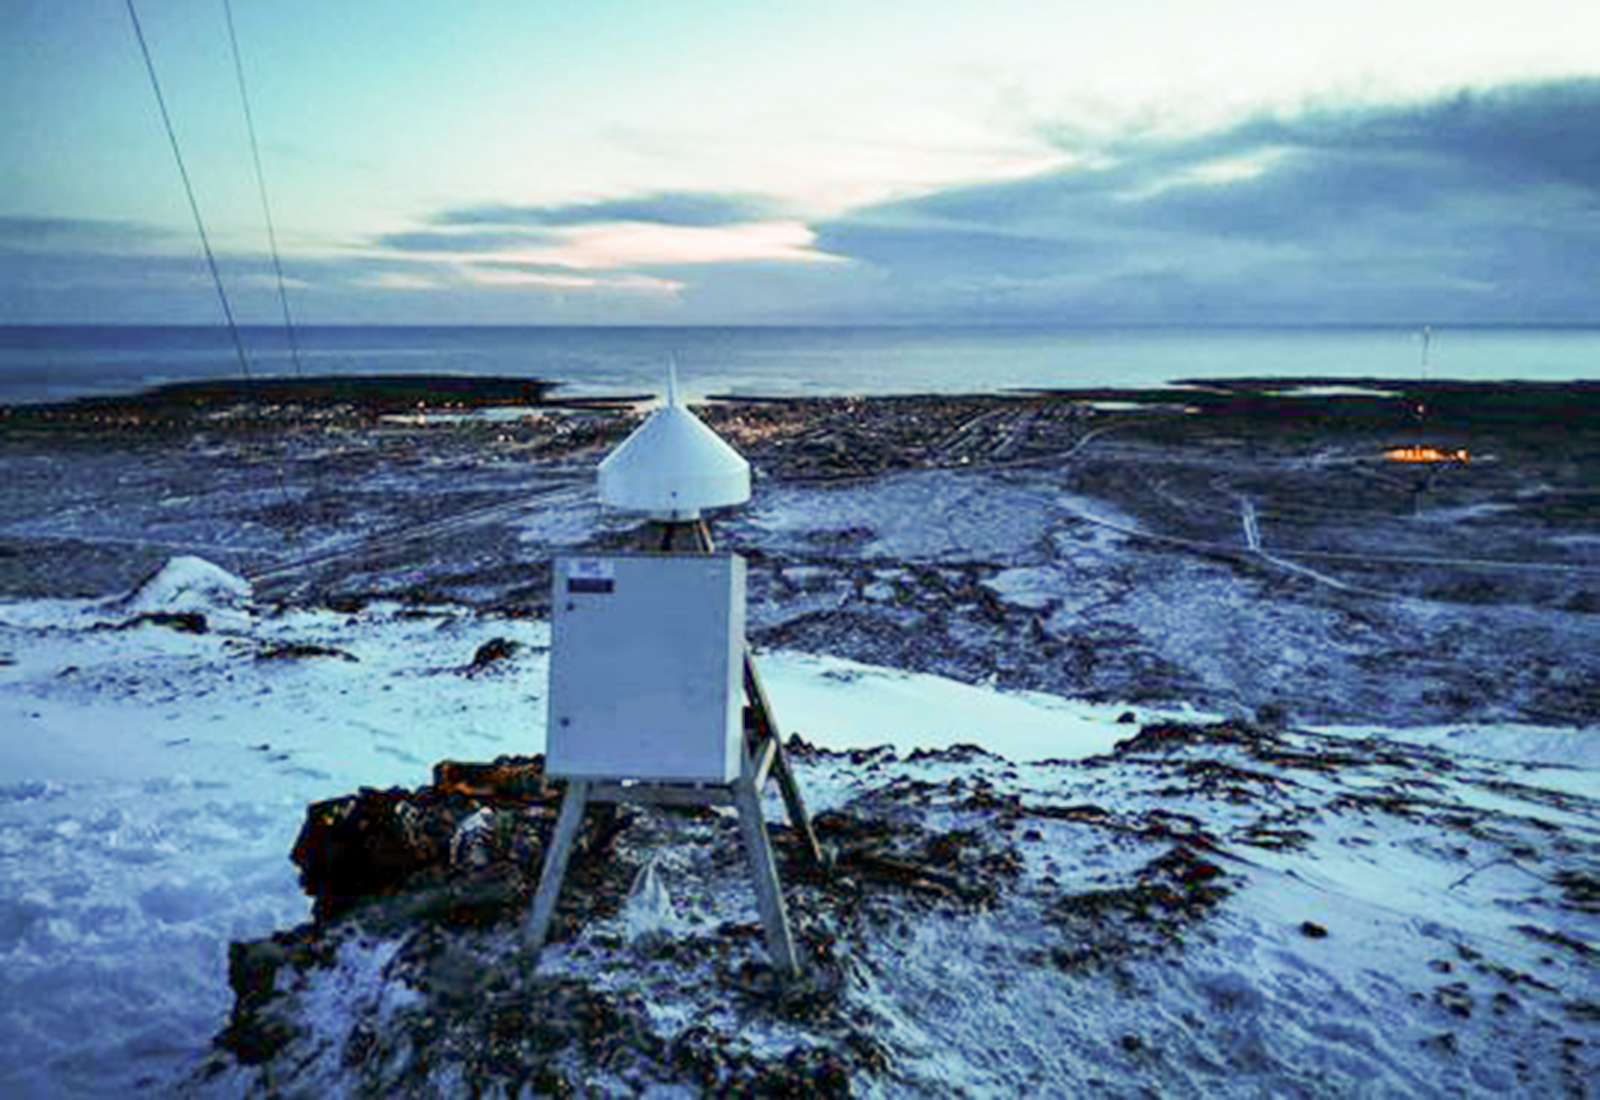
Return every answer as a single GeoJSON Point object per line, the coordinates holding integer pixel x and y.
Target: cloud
{"type": "Point", "coordinates": [79, 235]}
{"type": "Point", "coordinates": [1483, 205]}
{"type": "Point", "coordinates": [101, 287]}
{"type": "Point", "coordinates": [568, 245]}
{"type": "Point", "coordinates": [606, 245]}
{"type": "Point", "coordinates": [516, 275]}
{"type": "Point", "coordinates": [952, 250]}
{"type": "Point", "coordinates": [1527, 131]}
{"type": "Point", "coordinates": [691, 209]}
{"type": "Point", "coordinates": [430, 240]}
{"type": "Point", "coordinates": [397, 280]}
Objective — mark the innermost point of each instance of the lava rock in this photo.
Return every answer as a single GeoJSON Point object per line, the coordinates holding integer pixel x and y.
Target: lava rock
{"type": "Point", "coordinates": [492, 652]}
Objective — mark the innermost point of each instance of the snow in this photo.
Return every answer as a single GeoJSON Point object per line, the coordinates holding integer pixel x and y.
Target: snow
{"type": "Point", "coordinates": [842, 704]}
{"type": "Point", "coordinates": [155, 780]}
{"type": "Point", "coordinates": [189, 583]}
{"type": "Point", "coordinates": [1027, 586]}
{"type": "Point", "coordinates": [1511, 741]}
{"type": "Point", "coordinates": [648, 913]}
{"type": "Point", "coordinates": [927, 516]}
{"type": "Point", "coordinates": [1419, 978]}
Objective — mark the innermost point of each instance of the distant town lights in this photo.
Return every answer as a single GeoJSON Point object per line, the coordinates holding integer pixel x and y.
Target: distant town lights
{"type": "Point", "coordinates": [1427, 454]}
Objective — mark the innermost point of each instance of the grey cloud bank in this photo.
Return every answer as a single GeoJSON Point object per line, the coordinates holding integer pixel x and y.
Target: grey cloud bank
{"type": "Point", "coordinates": [1482, 206]}
{"type": "Point", "coordinates": [678, 208]}
{"type": "Point", "coordinates": [503, 227]}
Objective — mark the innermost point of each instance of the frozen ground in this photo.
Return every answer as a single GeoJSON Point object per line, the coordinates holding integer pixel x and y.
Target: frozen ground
{"type": "Point", "coordinates": [1379, 917]}
{"type": "Point", "coordinates": [1237, 563]}
{"type": "Point", "coordinates": [1011, 574]}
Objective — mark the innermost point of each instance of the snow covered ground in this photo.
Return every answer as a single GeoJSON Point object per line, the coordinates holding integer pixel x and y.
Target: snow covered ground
{"type": "Point", "coordinates": [159, 751]}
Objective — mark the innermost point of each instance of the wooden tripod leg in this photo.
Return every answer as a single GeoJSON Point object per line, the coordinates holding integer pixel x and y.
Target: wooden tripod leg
{"type": "Point", "coordinates": [766, 726]}
{"type": "Point", "coordinates": [555, 863]}
{"type": "Point", "coordinates": [796, 805]}
{"type": "Point", "coordinates": [769, 894]}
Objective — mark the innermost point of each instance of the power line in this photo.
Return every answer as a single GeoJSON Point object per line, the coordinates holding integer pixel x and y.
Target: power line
{"type": "Point", "coordinates": [188, 189]}
{"type": "Point", "coordinates": [261, 188]}
{"type": "Point", "coordinates": [199, 222]}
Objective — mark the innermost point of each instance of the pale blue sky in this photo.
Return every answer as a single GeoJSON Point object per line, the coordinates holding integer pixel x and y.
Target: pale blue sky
{"type": "Point", "coordinates": [691, 162]}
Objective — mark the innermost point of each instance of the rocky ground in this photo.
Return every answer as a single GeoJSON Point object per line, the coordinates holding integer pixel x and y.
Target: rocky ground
{"type": "Point", "coordinates": [1238, 908]}
{"type": "Point", "coordinates": [1238, 546]}
{"type": "Point", "coordinates": [1207, 910]}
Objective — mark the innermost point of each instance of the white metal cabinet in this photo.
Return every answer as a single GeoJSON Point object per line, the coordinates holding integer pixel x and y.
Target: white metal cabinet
{"type": "Point", "coordinates": [646, 668]}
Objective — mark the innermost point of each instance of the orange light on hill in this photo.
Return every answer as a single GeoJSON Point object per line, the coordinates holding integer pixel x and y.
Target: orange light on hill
{"type": "Point", "coordinates": [1427, 454]}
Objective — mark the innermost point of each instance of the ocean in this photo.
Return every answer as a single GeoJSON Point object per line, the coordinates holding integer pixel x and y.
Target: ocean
{"type": "Point", "coordinates": [53, 363]}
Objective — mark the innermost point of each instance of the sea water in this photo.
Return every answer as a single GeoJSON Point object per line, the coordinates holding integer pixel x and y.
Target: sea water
{"type": "Point", "coordinates": [51, 363]}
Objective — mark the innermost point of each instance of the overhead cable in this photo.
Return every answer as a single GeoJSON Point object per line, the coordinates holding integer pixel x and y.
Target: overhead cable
{"type": "Point", "coordinates": [188, 189]}
{"type": "Point", "coordinates": [261, 188]}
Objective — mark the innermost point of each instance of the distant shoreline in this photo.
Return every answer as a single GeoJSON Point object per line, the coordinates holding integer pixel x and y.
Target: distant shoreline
{"type": "Point", "coordinates": [264, 401]}
{"type": "Point", "coordinates": [1444, 325]}
{"type": "Point", "coordinates": [55, 365]}
{"type": "Point", "coordinates": [371, 394]}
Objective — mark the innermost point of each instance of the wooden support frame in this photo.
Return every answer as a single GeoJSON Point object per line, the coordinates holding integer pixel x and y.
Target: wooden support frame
{"type": "Point", "coordinates": [763, 757]}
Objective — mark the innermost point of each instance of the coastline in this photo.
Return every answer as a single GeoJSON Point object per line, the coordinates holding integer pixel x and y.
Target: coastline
{"type": "Point", "coordinates": [58, 363]}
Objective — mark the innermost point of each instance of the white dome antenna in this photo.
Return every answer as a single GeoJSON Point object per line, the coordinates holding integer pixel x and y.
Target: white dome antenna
{"type": "Point", "coordinates": [672, 466]}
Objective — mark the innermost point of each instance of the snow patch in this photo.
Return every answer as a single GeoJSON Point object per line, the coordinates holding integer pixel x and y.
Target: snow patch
{"type": "Point", "coordinates": [1509, 741]}
{"type": "Point", "coordinates": [188, 583]}
{"type": "Point", "coordinates": [842, 704]}
{"type": "Point", "coordinates": [1035, 586]}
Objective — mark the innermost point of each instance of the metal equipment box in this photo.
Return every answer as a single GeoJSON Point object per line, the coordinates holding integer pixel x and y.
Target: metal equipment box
{"type": "Point", "coordinates": [647, 668]}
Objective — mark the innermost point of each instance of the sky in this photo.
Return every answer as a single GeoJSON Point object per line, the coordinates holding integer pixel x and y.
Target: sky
{"type": "Point", "coordinates": [825, 162]}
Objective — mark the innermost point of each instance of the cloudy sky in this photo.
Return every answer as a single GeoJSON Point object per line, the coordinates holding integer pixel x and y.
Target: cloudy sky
{"type": "Point", "coordinates": [825, 161]}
